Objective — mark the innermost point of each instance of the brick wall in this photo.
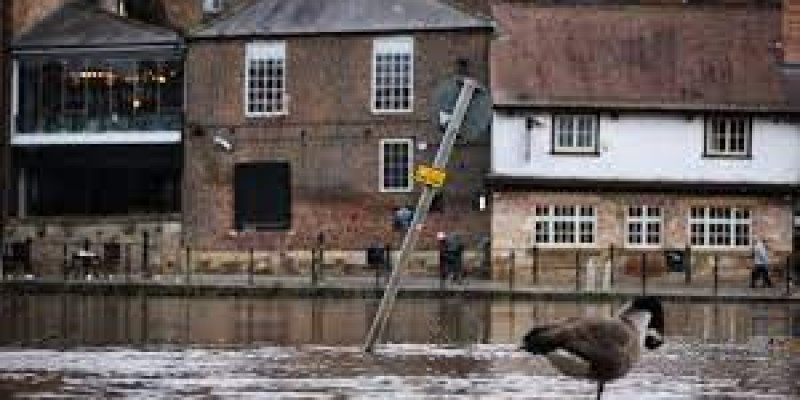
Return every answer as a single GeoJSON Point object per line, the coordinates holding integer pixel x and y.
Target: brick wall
{"type": "Point", "coordinates": [513, 213]}
{"type": "Point", "coordinates": [329, 136]}
{"type": "Point", "coordinates": [26, 13]}
{"type": "Point", "coordinates": [791, 31]}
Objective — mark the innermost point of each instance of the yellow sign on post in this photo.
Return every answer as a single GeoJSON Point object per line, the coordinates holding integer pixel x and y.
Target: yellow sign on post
{"type": "Point", "coordinates": [433, 177]}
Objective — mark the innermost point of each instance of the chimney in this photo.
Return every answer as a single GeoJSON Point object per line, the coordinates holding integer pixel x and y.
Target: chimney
{"type": "Point", "coordinates": [791, 31]}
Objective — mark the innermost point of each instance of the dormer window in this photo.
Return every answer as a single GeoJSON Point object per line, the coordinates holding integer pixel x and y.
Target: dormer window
{"type": "Point", "coordinates": [728, 136]}
{"type": "Point", "coordinates": [212, 6]}
{"type": "Point", "coordinates": [575, 134]}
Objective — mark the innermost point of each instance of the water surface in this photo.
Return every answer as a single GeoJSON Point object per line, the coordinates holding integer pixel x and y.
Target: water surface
{"type": "Point", "coordinates": [134, 347]}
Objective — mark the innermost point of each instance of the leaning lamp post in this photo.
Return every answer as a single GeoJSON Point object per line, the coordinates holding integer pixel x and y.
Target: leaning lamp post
{"type": "Point", "coordinates": [471, 104]}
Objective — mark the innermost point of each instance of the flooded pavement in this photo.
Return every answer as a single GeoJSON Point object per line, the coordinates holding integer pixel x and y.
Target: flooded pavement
{"type": "Point", "coordinates": [68, 346]}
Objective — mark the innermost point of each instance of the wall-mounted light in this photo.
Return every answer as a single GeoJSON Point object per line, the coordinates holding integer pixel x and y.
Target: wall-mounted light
{"type": "Point", "coordinates": [223, 143]}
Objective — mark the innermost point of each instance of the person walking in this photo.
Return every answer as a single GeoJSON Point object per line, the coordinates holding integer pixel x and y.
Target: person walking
{"type": "Point", "coordinates": [761, 263]}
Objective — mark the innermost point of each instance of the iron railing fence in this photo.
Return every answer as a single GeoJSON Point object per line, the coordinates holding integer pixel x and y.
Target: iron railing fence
{"type": "Point", "coordinates": [562, 269]}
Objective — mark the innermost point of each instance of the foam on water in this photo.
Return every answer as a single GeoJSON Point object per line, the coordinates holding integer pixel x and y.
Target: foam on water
{"type": "Point", "coordinates": [395, 371]}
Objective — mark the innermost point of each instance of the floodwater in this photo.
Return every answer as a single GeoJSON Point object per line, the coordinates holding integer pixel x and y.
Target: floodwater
{"type": "Point", "coordinates": [72, 346]}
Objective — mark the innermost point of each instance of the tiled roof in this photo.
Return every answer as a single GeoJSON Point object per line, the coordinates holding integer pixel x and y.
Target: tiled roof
{"type": "Point", "coordinates": [79, 25]}
{"type": "Point", "coordinates": [303, 17]}
{"type": "Point", "coordinates": [661, 57]}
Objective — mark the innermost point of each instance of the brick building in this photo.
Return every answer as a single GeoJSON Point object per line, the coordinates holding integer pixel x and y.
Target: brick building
{"type": "Point", "coordinates": [644, 127]}
{"type": "Point", "coordinates": [307, 118]}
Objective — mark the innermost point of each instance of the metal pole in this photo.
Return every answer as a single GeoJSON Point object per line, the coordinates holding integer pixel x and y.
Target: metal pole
{"type": "Point", "coordinates": [716, 273]}
{"type": "Point", "coordinates": [688, 264]}
{"type": "Point", "coordinates": [251, 266]}
{"type": "Point", "coordinates": [511, 269]}
{"type": "Point", "coordinates": [644, 274]}
{"type": "Point", "coordinates": [788, 275]}
{"type": "Point", "coordinates": [535, 265]}
{"type": "Point", "coordinates": [611, 264]}
{"type": "Point", "coordinates": [64, 269]}
{"type": "Point", "coordinates": [424, 204]}
{"type": "Point", "coordinates": [188, 268]}
{"type": "Point", "coordinates": [127, 262]}
{"type": "Point", "coordinates": [145, 254]}
{"type": "Point", "coordinates": [577, 271]}
{"type": "Point", "coordinates": [314, 251]}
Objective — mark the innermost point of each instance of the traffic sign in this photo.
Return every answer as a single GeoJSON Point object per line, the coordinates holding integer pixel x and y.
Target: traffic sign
{"type": "Point", "coordinates": [430, 176]}
{"type": "Point", "coordinates": [479, 113]}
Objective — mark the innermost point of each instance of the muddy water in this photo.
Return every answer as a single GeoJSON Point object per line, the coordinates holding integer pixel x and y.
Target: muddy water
{"type": "Point", "coordinates": [132, 347]}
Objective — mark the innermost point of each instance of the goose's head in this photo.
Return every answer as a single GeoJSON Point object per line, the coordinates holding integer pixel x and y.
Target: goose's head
{"type": "Point", "coordinates": [654, 331]}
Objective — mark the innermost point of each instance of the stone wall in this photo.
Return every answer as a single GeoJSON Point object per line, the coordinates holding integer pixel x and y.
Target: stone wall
{"type": "Point", "coordinates": [512, 220]}
{"type": "Point", "coordinates": [51, 238]}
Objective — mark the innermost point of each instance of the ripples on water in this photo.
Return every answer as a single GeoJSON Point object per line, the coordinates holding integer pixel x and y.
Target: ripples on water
{"type": "Point", "coordinates": [104, 347]}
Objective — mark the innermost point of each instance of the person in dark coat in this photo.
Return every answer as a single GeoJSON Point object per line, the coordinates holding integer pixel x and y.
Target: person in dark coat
{"type": "Point", "coordinates": [454, 250]}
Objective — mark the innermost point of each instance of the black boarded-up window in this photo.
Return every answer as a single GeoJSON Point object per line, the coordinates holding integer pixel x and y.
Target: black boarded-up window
{"type": "Point", "coordinates": [262, 198]}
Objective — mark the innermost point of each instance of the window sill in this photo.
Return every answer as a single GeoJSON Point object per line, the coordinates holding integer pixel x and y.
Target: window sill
{"type": "Point", "coordinates": [567, 246]}
{"type": "Point", "coordinates": [713, 249]}
{"type": "Point", "coordinates": [391, 112]}
{"type": "Point", "coordinates": [728, 156]}
{"type": "Point", "coordinates": [396, 191]}
{"type": "Point", "coordinates": [575, 153]}
{"type": "Point", "coordinates": [267, 115]}
{"type": "Point", "coordinates": [654, 247]}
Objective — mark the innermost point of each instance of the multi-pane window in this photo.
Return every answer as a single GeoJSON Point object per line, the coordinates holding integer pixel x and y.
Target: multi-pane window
{"type": "Point", "coordinates": [565, 224]}
{"type": "Point", "coordinates": [92, 95]}
{"type": "Point", "coordinates": [397, 160]}
{"type": "Point", "coordinates": [575, 133]}
{"type": "Point", "coordinates": [719, 226]}
{"type": "Point", "coordinates": [393, 74]}
{"type": "Point", "coordinates": [728, 136]}
{"type": "Point", "coordinates": [266, 78]}
{"type": "Point", "coordinates": [212, 6]}
{"type": "Point", "coordinates": [643, 226]}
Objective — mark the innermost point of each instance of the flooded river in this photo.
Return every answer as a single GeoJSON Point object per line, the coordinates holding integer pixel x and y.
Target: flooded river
{"type": "Point", "coordinates": [71, 346]}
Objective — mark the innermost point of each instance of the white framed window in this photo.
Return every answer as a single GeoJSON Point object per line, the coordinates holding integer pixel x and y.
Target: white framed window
{"type": "Point", "coordinates": [393, 74]}
{"type": "Point", "coordinates": [265, 79]}
{"type": "Point", "coordinates": [643, 226]}
{"type": "Point", "coordinates": [728, 136]}
{"type": "Point", "coordinates": [397, 162]}
{"type": "Point", "coordinates": [212, 6]}
{"type": "Point", "coordinates": [575, 133]}
{"type": "Point", "coordinates": [565, 225]}
{"type": "Point", "coordinates": [719, 227]}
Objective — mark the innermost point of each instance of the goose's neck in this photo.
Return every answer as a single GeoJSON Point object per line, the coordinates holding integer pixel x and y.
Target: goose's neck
{"type": "Point", "coordinates": [639, 320]}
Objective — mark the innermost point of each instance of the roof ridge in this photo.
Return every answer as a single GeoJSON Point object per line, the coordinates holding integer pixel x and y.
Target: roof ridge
{"type": "Point", "coordinates": [302, 17]}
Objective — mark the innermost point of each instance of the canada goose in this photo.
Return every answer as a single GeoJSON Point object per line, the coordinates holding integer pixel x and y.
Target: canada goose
{"type": "Point", "coordinates": [600, 349]}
